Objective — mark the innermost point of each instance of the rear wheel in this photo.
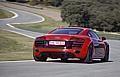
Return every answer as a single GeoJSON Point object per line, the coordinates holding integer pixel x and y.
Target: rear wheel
{"type": "Point", "coordinates": [88, 58]}
{"type": "Point", "coordinates": [64, 59]}
{"type": "Point", "coordinates": [43, 59]}
{"type": "Point", "coordinates": [106, 57]}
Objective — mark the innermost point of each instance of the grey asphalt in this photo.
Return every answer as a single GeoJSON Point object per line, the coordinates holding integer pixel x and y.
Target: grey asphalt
{"type": "Point", "coordinates": [56, 68]}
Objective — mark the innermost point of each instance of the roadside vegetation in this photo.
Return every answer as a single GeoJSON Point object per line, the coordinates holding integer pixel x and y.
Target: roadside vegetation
{"type": "Point", "coordinates": [5, 14]}
{"type": "Point", "coordinates": [102, 15]}
{"type": "Point", "coordinates": [55, 3]}
{"type": "Point", "coordinates": [14, 46]}
{"type": "Point", "coordinates": [109, 35]}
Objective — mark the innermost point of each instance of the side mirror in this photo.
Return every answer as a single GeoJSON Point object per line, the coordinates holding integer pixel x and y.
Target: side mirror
{"type": "Point", "coordinates": [103, 38]}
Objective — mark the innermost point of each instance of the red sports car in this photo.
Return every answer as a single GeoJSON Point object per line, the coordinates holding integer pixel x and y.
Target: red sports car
{"type": "Point", "coordinates": [71, 42]}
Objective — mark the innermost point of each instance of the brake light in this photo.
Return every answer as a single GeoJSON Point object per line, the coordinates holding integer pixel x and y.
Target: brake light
{"type": "Point", "coordinates": [77, 40]}
{"type": "Point", "coordinates": [40, 42]}
{"type": "Point", "coordinates": [74, 42]}
{"type": "Point", "coordinates": [68, 44]}
{"type": "Point", "coordinates": [40, 38]}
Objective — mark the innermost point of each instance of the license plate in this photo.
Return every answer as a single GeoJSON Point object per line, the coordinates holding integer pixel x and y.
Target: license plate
{"type": "Point", "coordinates": [56, 42]}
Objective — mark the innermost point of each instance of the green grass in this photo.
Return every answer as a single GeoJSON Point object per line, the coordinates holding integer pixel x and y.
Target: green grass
{"type": "Point", "coordinates": [5, 14]}
{"type": "Point", "coordinates": [14, 47]}
{"type": "Point", "coordinates": [109, 36]}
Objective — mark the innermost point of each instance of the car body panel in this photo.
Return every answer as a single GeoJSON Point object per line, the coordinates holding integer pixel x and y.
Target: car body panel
{"type": "Point", "coordinates": [76, 45]}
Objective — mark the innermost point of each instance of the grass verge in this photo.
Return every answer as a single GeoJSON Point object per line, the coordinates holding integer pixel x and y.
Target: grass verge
{"type": "Point", "coordinates": [5, 14]}
{"type": "Point", "coordinates": [14, 47]}
{"type": "Point", "coordinates": [110, 36]}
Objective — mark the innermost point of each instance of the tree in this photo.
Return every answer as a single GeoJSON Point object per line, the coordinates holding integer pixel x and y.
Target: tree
{"type": "Point", "coordinates": [33, 2]}
{"type": "Point", "coordinates": [99, 14]}
{"type": "Point", "coordinates": [76, 12]}
{"type": "Point", "coordinates": [57, 3]}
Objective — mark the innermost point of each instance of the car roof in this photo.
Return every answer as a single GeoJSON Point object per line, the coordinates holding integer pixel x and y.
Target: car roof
{"type": "Point", "coordinates": [76, 28]}
{"type": "Point", "coordinates": [84, 32]}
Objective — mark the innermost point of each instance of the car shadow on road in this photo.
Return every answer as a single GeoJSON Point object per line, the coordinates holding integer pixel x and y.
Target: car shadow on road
{"type": "Point", "coordinates": [78, 61]}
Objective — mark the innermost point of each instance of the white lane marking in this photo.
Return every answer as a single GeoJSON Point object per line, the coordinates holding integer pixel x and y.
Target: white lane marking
{"type": "Point", "coordinates": [16, 61]}
{"type": "Point", "coordinates": [10, 26]}
{"type": "Point", "coordinates": [15, 16]}
{"type": "Point", "coordinates": [43, 19]}
{"type": "Point", "coordinates": [21, 61]}
{"type": "Point", "coordinates": [20, 33]}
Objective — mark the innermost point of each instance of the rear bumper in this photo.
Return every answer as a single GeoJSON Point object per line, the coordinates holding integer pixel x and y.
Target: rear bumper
{"type": "Point", "coordinates": [57, 53]}
{"type": "Point", "coordinates": [75, 50]}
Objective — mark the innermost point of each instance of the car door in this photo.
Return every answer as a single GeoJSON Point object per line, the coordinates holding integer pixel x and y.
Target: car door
{"type": "Point", "coordinates": [99, 51]}
{"type": "Point", "coordinates": [95, 38]}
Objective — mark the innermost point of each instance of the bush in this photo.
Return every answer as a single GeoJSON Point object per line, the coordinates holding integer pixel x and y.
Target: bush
{"type": "Point", "coordinates": [98, 14]}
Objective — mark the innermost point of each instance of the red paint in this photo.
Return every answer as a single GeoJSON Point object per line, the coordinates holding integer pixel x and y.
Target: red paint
{"type": "Point", "coordinates": [82, 36]}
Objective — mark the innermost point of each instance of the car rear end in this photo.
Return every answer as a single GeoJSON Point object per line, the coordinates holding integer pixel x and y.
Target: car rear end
{"type": "Point", "coordinates": [61, 46]}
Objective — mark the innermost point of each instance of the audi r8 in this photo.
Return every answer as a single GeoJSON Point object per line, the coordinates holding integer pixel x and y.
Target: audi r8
{"type": "Point", "coordinates": [71, 42]}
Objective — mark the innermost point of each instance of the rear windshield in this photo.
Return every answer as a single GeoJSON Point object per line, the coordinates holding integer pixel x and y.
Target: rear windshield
{"type": "Point", "coordinates": [71, 31]}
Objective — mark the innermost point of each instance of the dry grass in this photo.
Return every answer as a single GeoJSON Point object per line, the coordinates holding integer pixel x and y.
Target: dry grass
{"type": "Point", "coordinates": [14, 47]}
{"type": "Point", "coordinates": [5, 14]}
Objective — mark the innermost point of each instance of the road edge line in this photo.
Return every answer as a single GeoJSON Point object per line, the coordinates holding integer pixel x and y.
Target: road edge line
{"type": "Point", "coordinates": [16, 61]}
{"type": "Point", "coordinates": [18, 32]}
{"type": "Point", "coordinates": [15, 16]}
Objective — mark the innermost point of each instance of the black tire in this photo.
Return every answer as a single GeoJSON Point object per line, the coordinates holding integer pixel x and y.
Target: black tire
{"type": "Point", "coordinates": [36, 58]}
{"type": "Point", "coordinates": [64, 59]}
{"type": "Point", "coordinates": [43, 59]}
{"type": "Point", "coordinates": [88, 58]}
{"type": "Point", "coordinates": [106, 57]}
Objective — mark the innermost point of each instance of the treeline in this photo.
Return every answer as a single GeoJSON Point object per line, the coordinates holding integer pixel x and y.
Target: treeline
{"type": "Point", "coordinates": [103, 15]}
{"type": "Point", "coordinates": [55, 3]}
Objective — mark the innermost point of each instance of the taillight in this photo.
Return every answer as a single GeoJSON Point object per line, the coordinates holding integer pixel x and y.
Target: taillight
{"type": "Point", "coordinates": [68, 44]}
{"type": "Point", "coordinates": [74, 42]}
{"type": "Point", "coordinates": [77, 40]}
{"type": "Point", "coordinates": [40, 42]}
{"type": "Point", "coordinates": [40, 38]}
{"type": "Point", "coordinates": [77, 44]}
